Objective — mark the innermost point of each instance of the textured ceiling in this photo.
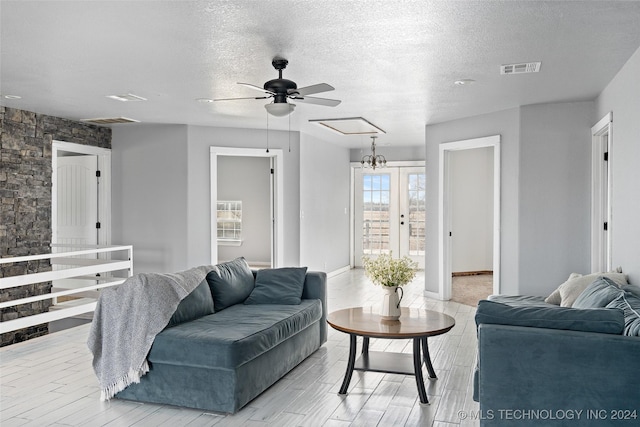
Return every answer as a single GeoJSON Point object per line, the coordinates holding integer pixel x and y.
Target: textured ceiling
{"type": "Point", "coordinates": [391, 62]}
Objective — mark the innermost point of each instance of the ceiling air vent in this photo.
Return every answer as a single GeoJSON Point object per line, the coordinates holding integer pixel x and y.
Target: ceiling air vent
{"type": "Point", "coordinates": [127, 97]}
{"type": "Point", "coordinates": [525, 67]}
{"type": "Point", "coordinates": [110, 121]}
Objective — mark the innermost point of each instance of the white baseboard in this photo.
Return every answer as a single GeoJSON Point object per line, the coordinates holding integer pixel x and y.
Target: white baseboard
{"type": "Point", "coordinates": [432, 295]}
{"type": "Point", "coordinates": [339, 271]}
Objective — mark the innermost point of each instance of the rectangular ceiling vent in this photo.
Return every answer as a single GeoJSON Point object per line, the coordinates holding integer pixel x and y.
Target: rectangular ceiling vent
{"type": "Point", "coordinates": [526, 67]}
{"type": "Point", "coordinates": [127, 97]}
{"type": "Point", "coordinates": [110, 121]}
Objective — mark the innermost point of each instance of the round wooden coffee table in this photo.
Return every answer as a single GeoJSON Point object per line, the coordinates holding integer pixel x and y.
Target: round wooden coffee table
{"type": "Point", "coordinates": [413, 324]}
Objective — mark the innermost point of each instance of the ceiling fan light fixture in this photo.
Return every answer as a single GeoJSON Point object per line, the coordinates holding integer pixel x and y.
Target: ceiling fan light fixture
{"type": "Point", "coordinates": [280, 109]}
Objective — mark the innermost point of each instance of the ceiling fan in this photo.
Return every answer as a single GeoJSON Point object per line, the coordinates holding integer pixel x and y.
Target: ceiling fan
{"type": "Point", "coordinates": [282, 89]}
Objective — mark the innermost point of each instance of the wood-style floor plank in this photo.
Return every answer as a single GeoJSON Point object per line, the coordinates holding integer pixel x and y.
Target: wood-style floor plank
{"type": "Point", "coordinates": [49, 381]}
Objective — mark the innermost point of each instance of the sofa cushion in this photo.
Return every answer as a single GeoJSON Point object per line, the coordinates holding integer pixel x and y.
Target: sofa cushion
{"type": "Point", "coordinates": [598, 294]}
{"type": "Point", "coordinates": [630, 304]}
{"type": "Point", "coordinates": [195, 305]}
{"type": "Point", "coordinates": [230, 283]}
{"type": "Point", "coordinates": [232, 337]}
{"type": "Point", "coordinates": [603, 320]}
{"type": "Point", "coordinates": [278, 286]}
{"type": "Point", "coordinates": [567, 292]}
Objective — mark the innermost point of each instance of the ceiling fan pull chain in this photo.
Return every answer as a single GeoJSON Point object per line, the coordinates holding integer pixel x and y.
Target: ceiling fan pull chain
{"type": "Point", "coordinates": [267, 132]}
{"type": "Point", "coordinates": [289, 132]}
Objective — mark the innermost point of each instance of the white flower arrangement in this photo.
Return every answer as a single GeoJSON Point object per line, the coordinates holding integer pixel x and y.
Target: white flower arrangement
{"type": "Point", "coordinates": [387, 271]}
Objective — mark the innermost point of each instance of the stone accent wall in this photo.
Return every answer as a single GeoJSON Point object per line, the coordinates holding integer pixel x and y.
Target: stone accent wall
{"type": "Point", "coordinates": [25, 201]}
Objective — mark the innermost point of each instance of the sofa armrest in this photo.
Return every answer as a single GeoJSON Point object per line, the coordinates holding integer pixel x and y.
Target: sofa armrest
{"type": "Point", "coordinates": [315, 287]}
{"type": "Point", "coordinates": [535, 369]}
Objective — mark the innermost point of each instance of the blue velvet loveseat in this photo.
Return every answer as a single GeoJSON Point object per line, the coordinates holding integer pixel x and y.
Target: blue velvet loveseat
{"type": "Point", "coordinates": [541, 364]}
{"type": "Point", "coordinates": [234, 336]}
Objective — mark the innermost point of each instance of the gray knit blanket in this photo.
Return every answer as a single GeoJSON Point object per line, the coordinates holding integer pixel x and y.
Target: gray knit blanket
{"type": "Point", "coordinates": [127, 319]}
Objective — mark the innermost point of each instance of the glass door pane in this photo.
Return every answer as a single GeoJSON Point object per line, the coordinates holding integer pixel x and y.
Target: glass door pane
{"type": "Point", "coordinates": [375, 214]}
{"type": "Point", "coordinates": [412, 213]}
{"type": "Point", "coordinates": [416, 190]}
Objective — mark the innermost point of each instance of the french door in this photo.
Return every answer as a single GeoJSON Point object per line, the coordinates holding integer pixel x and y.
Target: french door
{"type": "Point", "coordinates": [389, 213]}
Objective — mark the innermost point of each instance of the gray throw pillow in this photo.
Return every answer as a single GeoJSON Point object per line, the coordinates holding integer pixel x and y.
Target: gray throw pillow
{"type": "Point", "coordinates": [573, 287]}
{"type": "Point", "coordinates": [598, 294]}
{"type": "Point", "coordinates": [230, 283]}
{"type": "Point", "coordinates": [195, 305]}
{"type": "Point", "coordinates": [278, 286]}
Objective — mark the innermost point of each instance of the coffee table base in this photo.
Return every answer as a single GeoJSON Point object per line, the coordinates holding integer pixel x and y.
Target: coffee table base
{"type": "Point", "coordinates": [391, 363]}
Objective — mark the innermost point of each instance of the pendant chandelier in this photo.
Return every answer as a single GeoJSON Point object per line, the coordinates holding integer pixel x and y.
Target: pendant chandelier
{"type": "Point", "coordinates": [372, 160]}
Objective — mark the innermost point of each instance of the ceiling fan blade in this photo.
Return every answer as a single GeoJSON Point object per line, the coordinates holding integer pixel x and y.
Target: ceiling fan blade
{"type": "Point", "coordinates": [254, 87]}
{"type": "Point", "coordinates": [318, 101]}
{"type": "Point", "coordinates": [308, 90]}
{"type": "Point", "coordinates": [250, 97]}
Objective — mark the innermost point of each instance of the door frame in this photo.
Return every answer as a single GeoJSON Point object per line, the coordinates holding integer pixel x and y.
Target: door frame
{"type": "Point", "coordinates": [601, 192]}
{"type": "Point", "coordinates": [277, 203]}
{"type": "Point", "coordinates": [444, 210]}
{"type": "Point", "coordinates": [352, 197]}
{"type": "Point", "coordinates": [104, 189]}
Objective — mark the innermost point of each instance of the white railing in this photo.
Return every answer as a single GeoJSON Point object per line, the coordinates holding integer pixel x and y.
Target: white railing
{"type": "Point", "coordinates": [110, 266]}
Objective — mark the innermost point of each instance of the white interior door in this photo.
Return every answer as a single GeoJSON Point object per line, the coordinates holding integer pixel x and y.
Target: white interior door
{"type": "Point", "coordinates": [389, 213]}
{"type": "Point", "coordinates": [77, 209]}
{"type": "Point", "coordinates": [77, 192]}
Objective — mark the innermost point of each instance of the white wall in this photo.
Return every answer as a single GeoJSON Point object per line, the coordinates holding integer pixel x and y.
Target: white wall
{"type": "Point", "coordinates": [149, 201]}
{"type": "Point", "coordinates": [161, 195]}
{"type": "Point", "coordinates": [248, 179]}
{"type": "Point", "coordinates": [545, 189]}
{"type": "Point", "coordinates": [471, 185]}
{"type": "Point", "coordinates": [324, 204]}
{"type": "Point", "coordinates": [506, 124]}
{"type": "Point", "coordinates": [200, 139]}
{"type": "Point", "coordinates": [622, 97]}
{"type": "Point", "coordinates": [555, 194]}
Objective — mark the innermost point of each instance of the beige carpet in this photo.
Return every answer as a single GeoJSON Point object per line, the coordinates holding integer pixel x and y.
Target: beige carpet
{"type": "Point", "coordinates": [469, 290]}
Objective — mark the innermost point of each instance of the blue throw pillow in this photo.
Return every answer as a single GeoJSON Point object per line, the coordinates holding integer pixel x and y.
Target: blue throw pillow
{"type": "Point", "coordinates": [195, 305]}
{"type": "Point", "coordinates": [278, 286]}
{"type": "Point", "coordinates": [635, 290]}
{"type": "Point", "coordinates": [603, 320]}
{"type": "Point", "coordinates": [630, 304]}
{"type": "Point", "coordinates": [598, 294]}
{"type": "Point", "coordinates": [230, 283]}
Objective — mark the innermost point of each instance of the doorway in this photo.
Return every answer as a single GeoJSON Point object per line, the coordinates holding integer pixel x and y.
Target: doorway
{"type": "Point", "coordinates": [447, 213]}
{"type": "Point", "coordinates": [80, 204]}
{"type": "Point", "coordinates": [101, 183]}
{"type": "Point", "coordinates": [389, 213]}
{"type": "Point", "coordinates": [227, 233]}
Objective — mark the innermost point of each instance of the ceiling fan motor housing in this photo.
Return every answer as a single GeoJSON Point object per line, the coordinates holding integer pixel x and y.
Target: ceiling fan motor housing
{"type": "Point", "coordinates": [281, 88]}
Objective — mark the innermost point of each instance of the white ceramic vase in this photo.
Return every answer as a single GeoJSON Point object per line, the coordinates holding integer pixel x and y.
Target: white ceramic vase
{"type": "Point", "coordinates": [391, 297]}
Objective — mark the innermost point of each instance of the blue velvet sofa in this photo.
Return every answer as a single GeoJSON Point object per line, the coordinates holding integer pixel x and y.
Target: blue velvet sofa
{"type": "Point", "coordinates": [234, 336]}
{"type": "Point", "coordinates": [541, 364]}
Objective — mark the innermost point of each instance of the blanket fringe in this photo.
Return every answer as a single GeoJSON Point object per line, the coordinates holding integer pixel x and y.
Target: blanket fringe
{"type": "Point", "coordinates": [133, 376]}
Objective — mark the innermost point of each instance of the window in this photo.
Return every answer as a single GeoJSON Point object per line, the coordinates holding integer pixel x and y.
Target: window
{"type": "Point", "coordinates": [229, 221]}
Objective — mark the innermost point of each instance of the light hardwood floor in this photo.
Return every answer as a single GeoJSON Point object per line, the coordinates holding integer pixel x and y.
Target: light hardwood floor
{"type": "Point", "coordinates": [49, 380]}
